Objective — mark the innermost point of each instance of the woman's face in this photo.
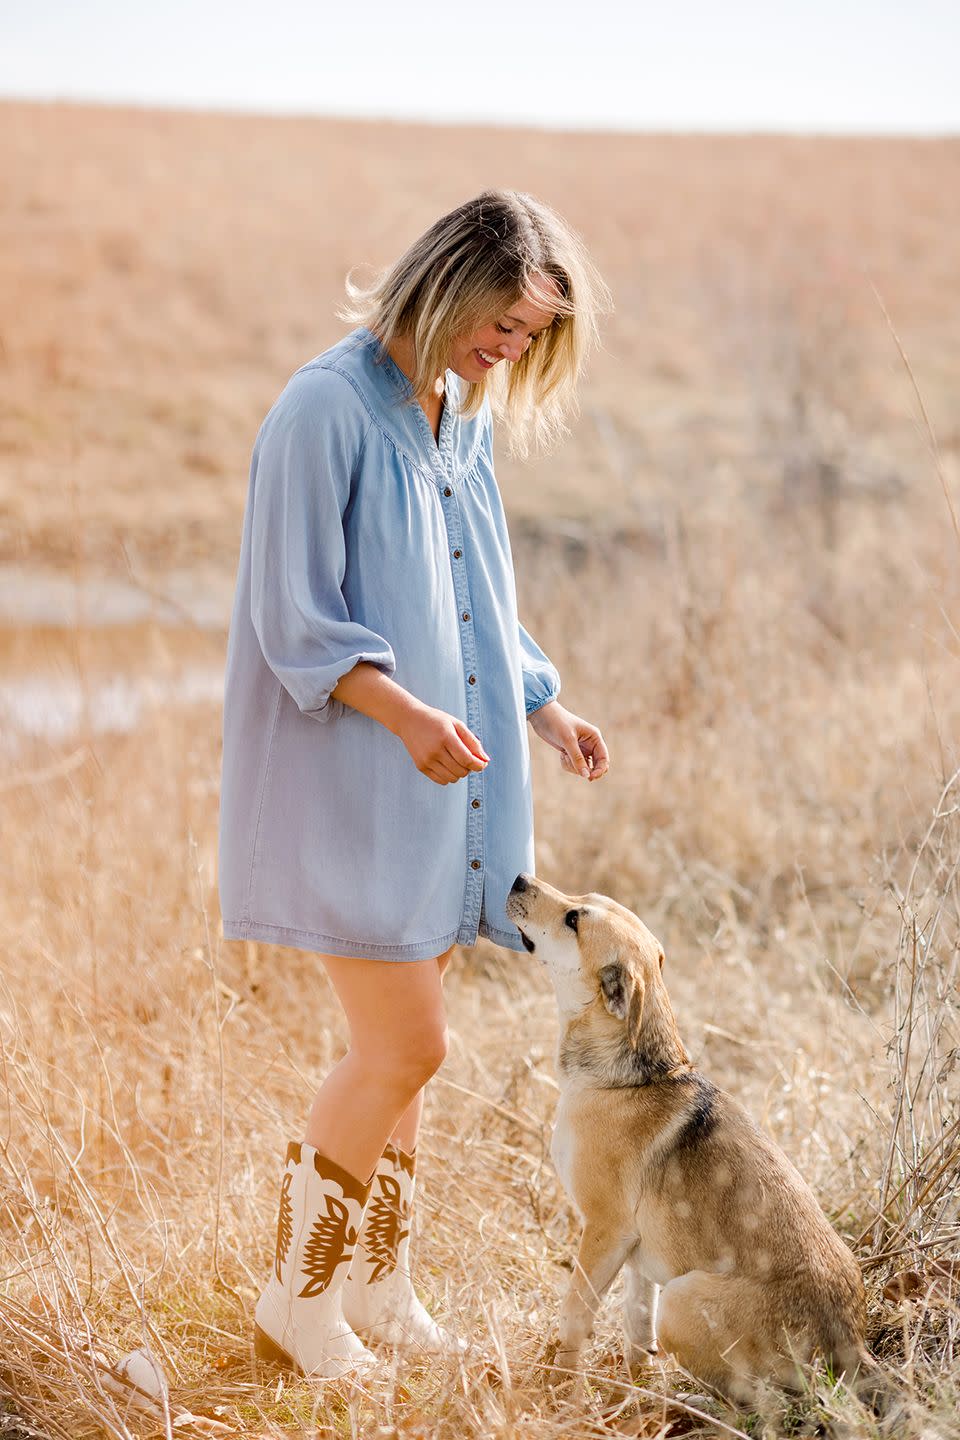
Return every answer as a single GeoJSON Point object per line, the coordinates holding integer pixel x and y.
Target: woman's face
{"type": "Point", "coordinates": [507, 335]}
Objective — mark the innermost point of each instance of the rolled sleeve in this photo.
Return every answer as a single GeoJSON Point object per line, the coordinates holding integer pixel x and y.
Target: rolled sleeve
{"type": "Point", "coordinates": [304, 459]}
{"type": "Point", "coordinates": [541, 682]}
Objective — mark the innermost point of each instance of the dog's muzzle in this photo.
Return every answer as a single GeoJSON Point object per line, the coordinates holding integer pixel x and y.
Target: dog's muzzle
{"type": "Point", "coordinates": [516, 910]}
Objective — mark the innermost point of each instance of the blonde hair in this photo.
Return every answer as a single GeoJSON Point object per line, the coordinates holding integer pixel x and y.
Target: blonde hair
{"type": "Point", "coordinates": [467, 269]}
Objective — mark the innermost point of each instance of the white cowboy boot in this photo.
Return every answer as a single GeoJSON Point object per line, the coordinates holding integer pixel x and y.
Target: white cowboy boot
{"type": "Point", "coordinates": [378, 1297]}
{"type": "Point", "coordinates": [299, 1322]}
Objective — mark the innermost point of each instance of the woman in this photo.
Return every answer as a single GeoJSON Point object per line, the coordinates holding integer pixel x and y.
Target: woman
{"type": "Point", "coordinates": [375, 798]}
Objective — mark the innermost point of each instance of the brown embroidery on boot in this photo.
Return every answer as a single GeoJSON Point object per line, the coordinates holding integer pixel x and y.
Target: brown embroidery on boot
{"type": "Point", "coordinates": [400, 1160]}
{"type": "Point", "coordinates": [330, 1237]}
{"type": "Point", "coordinates": [353, 1189]}
{"type": "Point", "coordinates": [386, 1226]}
{"type": "Point", "coordinates": [284, 1225]}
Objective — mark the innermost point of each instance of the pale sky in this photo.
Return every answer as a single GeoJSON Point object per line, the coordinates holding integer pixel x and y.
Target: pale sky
{"type": "Point", "coordinates": [851, 66]}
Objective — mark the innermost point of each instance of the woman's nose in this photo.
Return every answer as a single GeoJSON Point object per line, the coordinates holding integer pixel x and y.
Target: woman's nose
{"type": "Point", "coordinates": [513, 349]}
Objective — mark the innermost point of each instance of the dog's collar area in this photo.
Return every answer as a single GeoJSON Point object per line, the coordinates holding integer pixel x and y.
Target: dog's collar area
{"type": "Point", "coordinates": [676, 1072]}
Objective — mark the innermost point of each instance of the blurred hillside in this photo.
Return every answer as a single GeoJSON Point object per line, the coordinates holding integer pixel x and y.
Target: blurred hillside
{"type": "Point", "coordinates": [161, 274]}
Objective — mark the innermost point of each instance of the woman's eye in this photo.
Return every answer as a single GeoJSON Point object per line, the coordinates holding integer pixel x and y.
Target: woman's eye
{"type": "Point", "coordinates": [508, 330]}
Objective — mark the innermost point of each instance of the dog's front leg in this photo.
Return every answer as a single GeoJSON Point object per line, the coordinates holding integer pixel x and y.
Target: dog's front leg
{"type": "Point", "coordinates": [602, 1252]}
{"type": "Point", "coordinates": [639, 1300]}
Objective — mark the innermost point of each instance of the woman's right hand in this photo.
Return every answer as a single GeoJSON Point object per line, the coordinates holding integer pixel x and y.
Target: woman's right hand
{"type": "Point", "coordinates": [441, 746]}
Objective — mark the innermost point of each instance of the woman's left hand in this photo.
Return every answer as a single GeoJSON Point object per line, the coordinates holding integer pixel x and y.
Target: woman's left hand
{"type": "Point", "coordinates": [582, 751]}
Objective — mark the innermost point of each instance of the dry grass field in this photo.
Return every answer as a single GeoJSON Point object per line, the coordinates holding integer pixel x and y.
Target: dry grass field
{"type": "Point", "coordinates": [746, 563]}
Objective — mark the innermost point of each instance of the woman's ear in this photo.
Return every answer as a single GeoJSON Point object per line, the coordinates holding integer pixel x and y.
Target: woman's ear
{"type": "Point", "coordinates": [622, 990]}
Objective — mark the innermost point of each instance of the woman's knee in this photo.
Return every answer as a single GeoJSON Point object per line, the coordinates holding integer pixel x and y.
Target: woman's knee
{"type": "Point", "coordinates": [426, 1049]}
{"type": "Point", "coordinates": [409, 1058]}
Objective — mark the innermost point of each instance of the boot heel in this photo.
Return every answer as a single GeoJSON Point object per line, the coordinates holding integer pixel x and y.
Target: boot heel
{"type": "Point", "coordinates": [270, 1353]}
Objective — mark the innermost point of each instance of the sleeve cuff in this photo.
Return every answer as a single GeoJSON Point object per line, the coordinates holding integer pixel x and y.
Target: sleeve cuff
{"type": "Point", "coordinates": [537, 701]}
{"type": "Point", "coordinates": [330, 708]}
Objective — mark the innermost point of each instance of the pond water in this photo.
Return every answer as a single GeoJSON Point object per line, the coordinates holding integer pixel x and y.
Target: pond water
{"type": "Point", "coordinates": [125, 672]}
{"type": "Point", "coordinates": [33, 596]}
{"type": "Point", "coordinates": [56, 707]}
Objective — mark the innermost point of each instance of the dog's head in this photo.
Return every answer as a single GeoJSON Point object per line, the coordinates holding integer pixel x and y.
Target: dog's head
{"type": "Point", "coordinates": [605, 967]}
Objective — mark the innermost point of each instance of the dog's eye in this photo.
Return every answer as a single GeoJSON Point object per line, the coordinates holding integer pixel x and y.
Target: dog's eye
{"type": "Point", "coordinates": [572, 918]}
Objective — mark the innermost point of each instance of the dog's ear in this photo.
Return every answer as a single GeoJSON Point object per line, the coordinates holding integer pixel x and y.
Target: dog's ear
{"type": "Point", "coordinates": [622, 990]}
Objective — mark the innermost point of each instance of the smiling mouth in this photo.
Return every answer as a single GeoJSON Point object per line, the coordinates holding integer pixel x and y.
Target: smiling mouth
{"type": "Point", "coordinates": [487, 359]}
{"type": "Point", "coordinates": [527, 942]}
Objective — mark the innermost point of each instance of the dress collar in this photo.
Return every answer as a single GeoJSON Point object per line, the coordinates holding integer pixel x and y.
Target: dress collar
{"type": "Point", "coordinates": [407, 425]}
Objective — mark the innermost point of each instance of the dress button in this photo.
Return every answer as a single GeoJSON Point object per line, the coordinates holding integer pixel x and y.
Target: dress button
{"type": "Point", "coordinates": [472, 679]}
{"type": "Point", "coordinates": [475, 804]}
{"type": "Point", "coordinates": [457, 554]}
{"type": "Point", "coordinates": [447, 490]}
{"type": "Point", "coordinates": [474, 864]}
{"type": "Point", "coordinates": [466, 615]}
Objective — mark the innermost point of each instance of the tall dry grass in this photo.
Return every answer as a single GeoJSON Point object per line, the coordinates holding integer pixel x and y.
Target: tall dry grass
{"type": "Point", "coordinates": [746, 571]}
{"type": "Point", "coordinates": [782, 811]}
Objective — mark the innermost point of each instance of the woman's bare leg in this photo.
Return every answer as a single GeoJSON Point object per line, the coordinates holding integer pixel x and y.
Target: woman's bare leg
{"type": "Point", "coordinates": [398, 1039]}
{"type": "Point", "coordinates": [407, 1128]}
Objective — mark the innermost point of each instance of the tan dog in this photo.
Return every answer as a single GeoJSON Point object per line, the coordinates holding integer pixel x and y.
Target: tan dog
{"type": "Point", "coordinates": [672, 1179]}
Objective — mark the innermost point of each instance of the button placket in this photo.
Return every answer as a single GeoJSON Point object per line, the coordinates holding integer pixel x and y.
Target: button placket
{"type": "Point", "coordinates": [473, 886]}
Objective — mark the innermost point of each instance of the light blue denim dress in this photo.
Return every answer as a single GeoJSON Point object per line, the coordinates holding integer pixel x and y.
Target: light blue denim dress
{"type": "Point", "coordinates": [365, 539]}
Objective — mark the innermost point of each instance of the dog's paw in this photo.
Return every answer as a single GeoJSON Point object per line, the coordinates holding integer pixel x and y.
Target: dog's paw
{"type": "Point", "coordinates": [564, 1372]}
{"type": "Point", "coordinates": [547, 1361]}
{"type": "Point", "coordinates": [641, 1361]}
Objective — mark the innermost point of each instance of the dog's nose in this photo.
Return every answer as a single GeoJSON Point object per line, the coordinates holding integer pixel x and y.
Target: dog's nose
{"type": "Point", "coordinates": [519, 885]}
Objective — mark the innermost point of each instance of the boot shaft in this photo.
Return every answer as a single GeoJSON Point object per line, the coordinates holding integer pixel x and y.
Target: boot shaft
{"type": "Point", "coordinates": [298, 1321]}
{"type": "Point", "coordinates": [379, 1300]}
{"type": "Point", "coordinates": [384, 1241]}
{"type": "Point", "coordinates": [321, 1212]}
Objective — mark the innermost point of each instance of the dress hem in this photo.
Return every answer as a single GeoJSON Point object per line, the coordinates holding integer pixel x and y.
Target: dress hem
{"type": "Point", "coordinates": [501, 937]}
{"type": "Point", "coordinates": [361, 949]}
